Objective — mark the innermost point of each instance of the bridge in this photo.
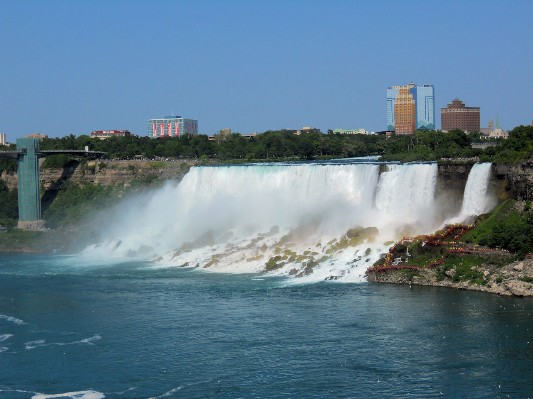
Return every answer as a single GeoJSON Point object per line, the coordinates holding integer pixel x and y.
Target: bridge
{"type": "Point", "coordinates": [29, 195]}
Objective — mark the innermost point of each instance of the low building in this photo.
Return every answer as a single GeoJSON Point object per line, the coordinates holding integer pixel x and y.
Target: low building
{"type": "Point", "coordinates": [221, 137]}
{"type": "Point", "coordinates": [307, 129]}
{"type": "Point", "coordinates": [499, 133]}
{"type": "Point", "coordinates": [491, 132]}
{"type": "Point", "coordinates": [486, 130]}
{"type": "Point", "coordinates": [350, 131]}
{"type": "Point", "coordinates": [485, 145]}
{"type": "Point", "coordinates": [36, 136]}
{"type": "Point", "coordinates": [172, 126]}
{"type": "Point", "coordinates": [3, 139]}
{"type": "Point", "coordinates": [105, 134]}
{"type": "Point", "coordinates": [458, 116]}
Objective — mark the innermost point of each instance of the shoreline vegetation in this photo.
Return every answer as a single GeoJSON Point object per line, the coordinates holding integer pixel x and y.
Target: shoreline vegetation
{"type": "Point", "coordinates": [493, 255]}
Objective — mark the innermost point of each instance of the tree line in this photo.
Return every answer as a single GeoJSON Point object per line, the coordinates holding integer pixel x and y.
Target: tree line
{"type": "Point", "coordinates": [285, 145]}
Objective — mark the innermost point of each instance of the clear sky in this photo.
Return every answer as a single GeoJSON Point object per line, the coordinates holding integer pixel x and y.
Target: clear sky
{"type": "Point", "coordinates": [76, 66]}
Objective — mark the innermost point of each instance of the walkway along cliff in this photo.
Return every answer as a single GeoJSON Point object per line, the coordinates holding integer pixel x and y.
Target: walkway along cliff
{"type": "Point", "coordinates": [449, 259]}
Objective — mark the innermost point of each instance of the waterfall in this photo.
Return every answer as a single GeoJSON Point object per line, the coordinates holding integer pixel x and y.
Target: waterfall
{"type": "Point", "coordinates": [476, 201]}
{"type": "Point", "coordinates": [405, 195]}
{"type": "Point", "coordinates": [315, 221]}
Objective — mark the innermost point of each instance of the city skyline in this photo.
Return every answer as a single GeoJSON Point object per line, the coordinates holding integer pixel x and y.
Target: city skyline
{"type": "Point", "coordinates": [76, 67]}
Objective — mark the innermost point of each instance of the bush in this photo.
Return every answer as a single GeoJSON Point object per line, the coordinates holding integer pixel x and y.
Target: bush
{"type": "Point", "coordinates": [505, 228]}
{"type": "Point", "coordinates": [8, 204]}
{"type": "Point", "coordinates": [58, 161]}
{"type": "Point", "coordinates": [75, 202]}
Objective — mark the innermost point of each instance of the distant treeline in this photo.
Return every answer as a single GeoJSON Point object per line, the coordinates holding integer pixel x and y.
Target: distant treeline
{"type": "Point", "coordinates": [285, 145]}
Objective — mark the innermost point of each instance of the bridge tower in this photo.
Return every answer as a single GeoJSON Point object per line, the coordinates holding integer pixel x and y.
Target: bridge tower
{"type": "Point", "coordinates": [29, 195]}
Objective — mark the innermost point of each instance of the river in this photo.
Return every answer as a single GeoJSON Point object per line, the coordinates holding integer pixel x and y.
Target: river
{"type": "Point", "coordinates": [142, 330]}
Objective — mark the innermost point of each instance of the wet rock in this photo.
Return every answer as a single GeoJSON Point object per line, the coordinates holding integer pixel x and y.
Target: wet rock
{"type": "Point", "coordinates": [274, 230]}
{"type": "Point", "coordinates": [368, 233]}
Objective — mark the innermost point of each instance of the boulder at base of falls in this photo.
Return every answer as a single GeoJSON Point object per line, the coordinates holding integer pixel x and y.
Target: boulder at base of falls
{"type": "Point", "coordinates": [368, 233]}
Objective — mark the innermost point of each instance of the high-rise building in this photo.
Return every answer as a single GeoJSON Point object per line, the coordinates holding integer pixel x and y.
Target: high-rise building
{"type": "Point", "coordinates": [172, 126]}
{"type": "Point", "coordinates": [3, 139]}
{"type": "Point", "coordinates": [420, 99]}
{"type": "Point", "coordinates": [404, 111]}
{"type": "Point", "coordinates": [425, 107]}
{"type": "Point", "coordinates": [458, 116]}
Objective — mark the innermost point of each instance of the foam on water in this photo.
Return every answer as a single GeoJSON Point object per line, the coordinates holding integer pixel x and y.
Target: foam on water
{"type": "Point", "coordinates": [73, 395]}
{"type": "Point", "coordinates": [4, 337]}
{"type": "Point", "coordinates": [170, 393]}
{"type": "Point", "coordinates": [89, 394]}
{"type": "Point", "coordinates": [12, 319]}
{"type": "Point", "coordinates": [313, 221]}
{"type": "Point", "coordinates": [41, 342]}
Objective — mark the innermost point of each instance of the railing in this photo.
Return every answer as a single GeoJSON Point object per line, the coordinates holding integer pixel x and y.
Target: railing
{"type": "Point", "coordinates": [390, 262]}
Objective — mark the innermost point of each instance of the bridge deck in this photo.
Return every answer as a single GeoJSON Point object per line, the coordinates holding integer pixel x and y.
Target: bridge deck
{"type": "Point", "coordinates": [9, 154]}
{"type": "Point", "coordinates": [44, 153]}
{"type": "Point", "coordinates": [71, 152]}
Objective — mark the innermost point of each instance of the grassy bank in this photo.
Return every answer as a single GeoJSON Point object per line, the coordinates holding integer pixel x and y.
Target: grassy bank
{"type": "Point", "coordinates": [467, 256]}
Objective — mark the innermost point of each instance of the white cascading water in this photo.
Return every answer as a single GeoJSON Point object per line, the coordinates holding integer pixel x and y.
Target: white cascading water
{"type": "Point", "coordinates": [405, 196]}
{"type": "Point", "coordinates": [282, 219]}
{"type": "Point", "coordinates": [475, 198]}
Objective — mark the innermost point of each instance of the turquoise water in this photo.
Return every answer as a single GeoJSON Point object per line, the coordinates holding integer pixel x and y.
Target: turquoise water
{"type": "Point", "coordinates": [134, 331]}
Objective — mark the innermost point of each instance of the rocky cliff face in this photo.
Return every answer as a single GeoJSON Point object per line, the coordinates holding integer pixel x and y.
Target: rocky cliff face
{"type": "Point", "coordinates": [514, 181]}
{"type": "Point", "coordinates": [518, 179]}
{"type": "Point", "coordinates": [107, 173]}
{"type": "Point", "coordinates": [10, 179]}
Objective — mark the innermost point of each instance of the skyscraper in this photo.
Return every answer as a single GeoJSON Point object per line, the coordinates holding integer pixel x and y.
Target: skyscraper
{"type": "Point", "coordinates": [425, 107]}
{"type": "Point", "coordinates": [404, 111]}
{"type": "Point", "coordinates": [403, 99]}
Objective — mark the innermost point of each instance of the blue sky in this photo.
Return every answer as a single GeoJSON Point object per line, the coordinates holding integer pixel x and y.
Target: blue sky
{"type": "Point", "coordinates": [76, 66]}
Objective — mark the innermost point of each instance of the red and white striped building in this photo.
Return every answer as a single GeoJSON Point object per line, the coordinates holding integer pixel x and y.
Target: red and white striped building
{"type": "Point", "coordinates": [172, 126]}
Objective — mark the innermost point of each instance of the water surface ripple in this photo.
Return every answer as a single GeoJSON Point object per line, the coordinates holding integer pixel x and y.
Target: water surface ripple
{"type": "Point", "coordinates": [134, 331]}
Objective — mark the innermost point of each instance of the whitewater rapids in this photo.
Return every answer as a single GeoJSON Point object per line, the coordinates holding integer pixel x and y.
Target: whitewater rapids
{"type": "Point", "coordinates": [313, 221]}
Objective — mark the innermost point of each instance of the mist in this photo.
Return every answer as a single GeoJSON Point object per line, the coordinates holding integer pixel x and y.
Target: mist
{"type": "Point", "coordinates": [314, 221]}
